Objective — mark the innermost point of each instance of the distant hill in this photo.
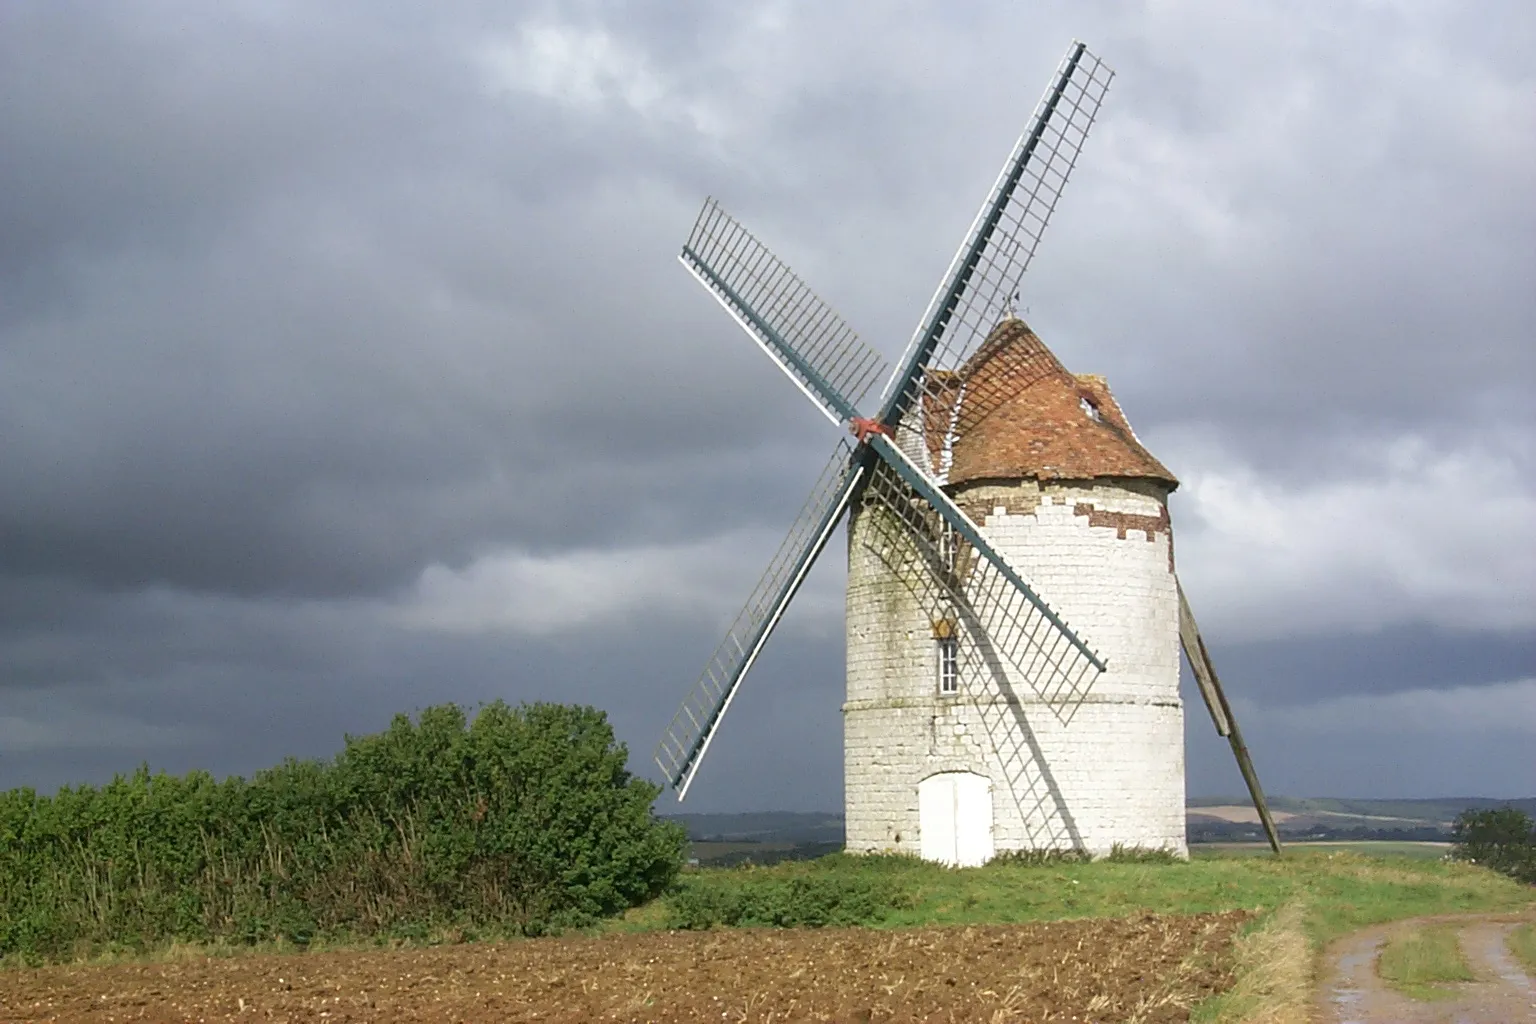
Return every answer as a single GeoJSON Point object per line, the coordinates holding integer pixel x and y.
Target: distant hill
{"type": "Point", "coordinates": [1218, 819]}
{"type": "Point", "coordinates": [1440, 809]}
{"type": "Point", "coordinates": [778, 834]}
{"type": "Point", "coordinates": [763, 827]}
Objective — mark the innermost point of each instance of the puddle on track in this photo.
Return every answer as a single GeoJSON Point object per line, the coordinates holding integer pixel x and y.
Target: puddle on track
{"type": "Point", "coordinates": [1488, 946]}
{"type": "Point", "coordinates": [1503, 993]}
{"type": "Point", "coordinates": [1504, 964]}
{"type": "Point", "coordinates": [1348, 995]}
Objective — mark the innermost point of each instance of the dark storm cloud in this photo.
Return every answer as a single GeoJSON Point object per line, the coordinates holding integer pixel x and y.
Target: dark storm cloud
{"type": "Point", "coordinates": [329, 312]}
{"type": "Point", "coordinates": [150, 126]}
{"type": "Point", "coordinates": [298, 304]}
{"type": "Point", "coordinates": [243, 689]}
{"type": "Point", "coordinates": [1284, 672]}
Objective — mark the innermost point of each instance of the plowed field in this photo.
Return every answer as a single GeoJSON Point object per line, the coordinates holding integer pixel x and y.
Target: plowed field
{"type": "Point", "coordinates": [1147, 969]}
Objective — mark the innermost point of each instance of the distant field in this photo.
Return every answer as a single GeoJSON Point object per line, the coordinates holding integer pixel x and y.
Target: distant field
{"type": "Point", "coordinates": [724, 854]}
{"type": "Point", "coordinates": [782, 835]}
{"type": "Point", "coordinates": [1245, 814]}
{"type": "Point", "coordinates": [705, 850]}
{"type": "Point", "coordinates": [714, 853]}
{"type": "Point", "coordinates": [1242, 814]}
{"type": "Point", "coordinates": [727, 854]}
{"type": "Point", "coordinates": [1368, 848]}
{"type": "Point", "coordinates": [1439, 811]}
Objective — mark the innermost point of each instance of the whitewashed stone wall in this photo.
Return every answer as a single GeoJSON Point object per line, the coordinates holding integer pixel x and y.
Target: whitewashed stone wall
{"type": "Point", "coordinates": [1114, 772]}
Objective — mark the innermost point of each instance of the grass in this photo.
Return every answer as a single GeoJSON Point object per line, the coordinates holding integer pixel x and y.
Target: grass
{"type": "Point", "coordinates": [1305, 899]}
{"type": "Point", "coordinates": [1522, 943]}
{"type": "Point", "coordinates": [1342, 890]}
{"type": "Point", "coordinates": [1368, 847]}
{"type": "Point", "coordinates": [186, 951]}
{"type": "Point", "coordinates": [1420, 963]}
{"type": "Point", "coordinates": [1274, 974]}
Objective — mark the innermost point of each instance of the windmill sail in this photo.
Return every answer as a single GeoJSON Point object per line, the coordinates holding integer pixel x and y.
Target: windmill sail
{"type": "Point", "coordinates": [984, 277]}
{"type": "Point", "coordinates": [934, 547]}
{"type": "Point", "coordinates": [950, 379]}
{"type": "Point", "coordinates": [836, 369]}
{"type": "Point", "coordinates": [811, 343]}
{"type": "Point", "coordinates": [693, 727]}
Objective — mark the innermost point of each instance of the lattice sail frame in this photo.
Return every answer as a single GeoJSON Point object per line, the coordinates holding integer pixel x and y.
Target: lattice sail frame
{"type": "Point", "coordinates": [811, 343]}
{"type": "Point", "coordinates": [828, 362]}
{"type": "Point", "coordinates": [955, 402]}
{"type": "Point", "coordinates": [983, 280]}
{"type": "Point", "coordinates": [950, 580]}
{"type": "Point", "coordinates": [688, 736]}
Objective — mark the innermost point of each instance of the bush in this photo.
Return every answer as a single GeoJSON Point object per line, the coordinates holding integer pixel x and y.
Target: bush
{"type": "Point", "coordinates": [1119, 853]}
{"type": "Point", "coordinates": [814, 898]}
{"type": "Point", "coordinates": [1503, 839]}
{"type": "Point", "coordinates": [523, 820]}
{"type": "Point", "coordinates": [1040, 858]}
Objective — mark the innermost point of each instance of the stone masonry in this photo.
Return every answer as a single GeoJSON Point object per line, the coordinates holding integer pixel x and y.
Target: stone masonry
{"type": "Point", "coordinates": [1098, 548]}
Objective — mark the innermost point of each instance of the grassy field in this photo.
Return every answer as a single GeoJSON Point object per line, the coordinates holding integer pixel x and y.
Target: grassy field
{"type": "Point", "coordinates": [1341, 890]}
{"type": "Point", "coordinates": [1522, 942]}
{"type": "Point", "coordinates": [1366, 847]}
{"type": "Point", "coordinates": [1296, 904]}
{"type": "Point", "coordinates": [1421, 962]}
{"type": "Point", "coordinates": [1301, 901]}
{"type": "Point", "coordinates": [1289, 908]}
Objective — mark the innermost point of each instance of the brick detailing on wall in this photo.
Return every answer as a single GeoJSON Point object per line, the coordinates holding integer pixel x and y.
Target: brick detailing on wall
{"type": "Point", "coordinates": [979, 509]}
{"type": "Point", "coordinates": [1111, 773]}
{"type": "Point", "coordinates": [985, 500]}
{"type": "Point", "coordinates": [1123, 521]}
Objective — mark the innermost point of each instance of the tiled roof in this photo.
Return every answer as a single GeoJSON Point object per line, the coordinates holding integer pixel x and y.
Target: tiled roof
{"type": "Point", "coordinates": [1022, 415]}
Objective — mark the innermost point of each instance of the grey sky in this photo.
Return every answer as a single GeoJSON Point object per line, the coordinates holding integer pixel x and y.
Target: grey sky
{"type": "Point", "coordinates": [345, 367]}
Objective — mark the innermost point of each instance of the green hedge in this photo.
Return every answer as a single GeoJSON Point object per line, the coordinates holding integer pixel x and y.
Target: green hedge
{"type": "Point", "coordinates": [1502, 838]}
{"type": "Point", "coordinates": [831, 891]}
{"type": "Point", "coordinates": [526, 818]}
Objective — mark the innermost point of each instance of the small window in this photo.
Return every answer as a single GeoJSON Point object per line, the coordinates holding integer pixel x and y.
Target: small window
{"type": "Point", "coordinates": [949, 664]}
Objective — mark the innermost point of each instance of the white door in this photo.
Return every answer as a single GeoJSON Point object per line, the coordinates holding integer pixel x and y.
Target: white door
{"type": "Point", "coordinates": [954, 814]}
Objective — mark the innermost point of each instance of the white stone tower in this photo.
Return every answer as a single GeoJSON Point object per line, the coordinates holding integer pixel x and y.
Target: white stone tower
{"type": "Point", "coordinates": [947, 753]}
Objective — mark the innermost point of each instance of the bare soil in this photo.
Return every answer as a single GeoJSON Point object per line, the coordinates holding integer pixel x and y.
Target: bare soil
{"type": "Point", "coordinates": [1147, 969]}
{"type": "Point", "coordinates": [1353, 993]}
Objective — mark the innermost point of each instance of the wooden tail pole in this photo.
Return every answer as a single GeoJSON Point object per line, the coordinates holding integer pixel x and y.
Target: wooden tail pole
{"type": "Point", "coordinates": [1221, 712]}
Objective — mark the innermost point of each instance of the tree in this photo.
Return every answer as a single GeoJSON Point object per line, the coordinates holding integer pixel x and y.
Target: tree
{"type": "Point", "coordinates": [529, 811]}
{"type": "Point", "coordinates": [1502, 838]}
{"type": "Point", "coordinates": [525, 818]}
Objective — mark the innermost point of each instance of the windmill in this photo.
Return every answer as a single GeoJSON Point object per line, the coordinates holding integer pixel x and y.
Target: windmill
{"type": "Point", "coordinates": [978, 717]}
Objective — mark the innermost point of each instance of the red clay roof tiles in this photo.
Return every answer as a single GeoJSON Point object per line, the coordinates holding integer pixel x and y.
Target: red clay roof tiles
{"type": "Point", "coordinates": [1022, 415]}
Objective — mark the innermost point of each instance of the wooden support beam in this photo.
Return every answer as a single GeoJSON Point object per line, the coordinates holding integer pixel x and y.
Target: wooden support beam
{"type": "Point", "coordinates": [1205, 673]}
{"type": "Point", "coordinates": [1221, 712]}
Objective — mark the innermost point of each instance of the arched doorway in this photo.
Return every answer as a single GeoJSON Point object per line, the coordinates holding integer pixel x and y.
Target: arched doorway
{"type": "Point", "coordinates": [954, 813]}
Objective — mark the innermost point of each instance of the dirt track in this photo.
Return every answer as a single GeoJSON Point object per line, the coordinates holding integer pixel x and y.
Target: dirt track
{"type": "Point", "coordinates": [1147, 969]}
{"type": "Point", "coordinates": [1503, 994]}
